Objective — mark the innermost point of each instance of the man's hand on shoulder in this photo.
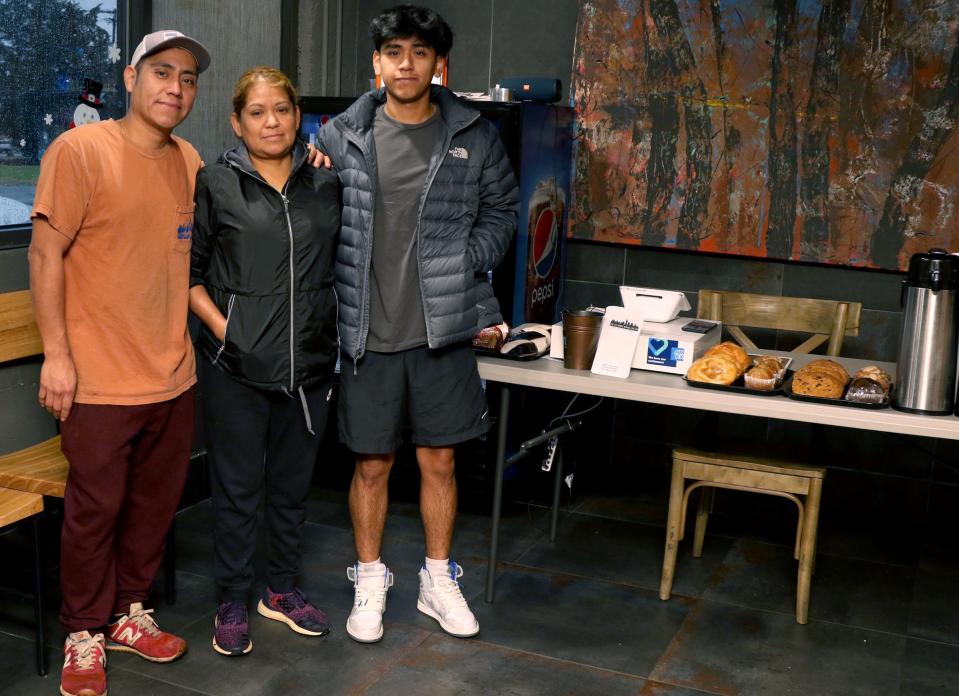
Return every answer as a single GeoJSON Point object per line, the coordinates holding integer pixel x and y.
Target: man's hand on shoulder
{"type": "Point", "coordinates": [317, 158]}
{"type": "Point", "coordinates": [58, 385]}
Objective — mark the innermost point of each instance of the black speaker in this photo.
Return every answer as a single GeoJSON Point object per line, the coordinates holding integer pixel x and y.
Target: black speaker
{"type": "Point", "coordinates": [538, 89]}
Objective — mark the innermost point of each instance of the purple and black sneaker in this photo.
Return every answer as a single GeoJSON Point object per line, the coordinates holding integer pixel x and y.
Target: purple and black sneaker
{"type": "Point", "coordinates": [231, 630]}
{"type": "Point", "coordinates": [295, 610]}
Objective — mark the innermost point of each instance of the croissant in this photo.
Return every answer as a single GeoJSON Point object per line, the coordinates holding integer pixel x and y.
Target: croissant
{"type": "Point", "coordinates": [732, 351]}
{"type": "Point", "coordinates": [715, 369]}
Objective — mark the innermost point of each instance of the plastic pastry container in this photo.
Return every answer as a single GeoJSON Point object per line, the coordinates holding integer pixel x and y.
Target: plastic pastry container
{"type": "Point", "coordinates": [766, 384]}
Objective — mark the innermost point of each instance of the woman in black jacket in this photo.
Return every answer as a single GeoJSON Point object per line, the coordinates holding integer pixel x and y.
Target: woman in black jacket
{"type": "Point", "coordinates": [262, 284]}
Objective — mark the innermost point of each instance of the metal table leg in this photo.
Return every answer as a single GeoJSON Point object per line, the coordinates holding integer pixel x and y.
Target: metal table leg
{"type": "Point", "coordinates": [497, 490]}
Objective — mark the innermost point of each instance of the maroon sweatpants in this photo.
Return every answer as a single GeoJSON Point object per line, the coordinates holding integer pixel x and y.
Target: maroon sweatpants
{"type": "Point", "coordinates": [128, 465]}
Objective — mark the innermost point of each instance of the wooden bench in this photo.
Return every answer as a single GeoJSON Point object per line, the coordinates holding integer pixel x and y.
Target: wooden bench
{"type": "Point", "coordinates": [41, 468]}
{"type": "Point", "coordinates": [17, 505]}
{"type": "Point", "coordinates": [28, 474]}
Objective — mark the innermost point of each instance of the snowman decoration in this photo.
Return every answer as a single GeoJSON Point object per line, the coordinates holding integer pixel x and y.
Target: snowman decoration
{"type": "Point", "coordinates": [88, 110]}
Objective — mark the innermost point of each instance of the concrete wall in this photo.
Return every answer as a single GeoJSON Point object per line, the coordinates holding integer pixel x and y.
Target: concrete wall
{"type": "Point", "coordinates": [595, 272]}
{"type": "Point", "coordinates": [327, 31]}
{"type": "Point", "coordinates": [493, 39]}
{"type": "Point", "coordinates": [239, 35]}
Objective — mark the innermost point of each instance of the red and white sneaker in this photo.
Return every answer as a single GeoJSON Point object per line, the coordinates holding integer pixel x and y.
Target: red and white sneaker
{"type": "Point", "coordinates": [84, 665]}
{"type": "Point", "coordinates": [137, 632]}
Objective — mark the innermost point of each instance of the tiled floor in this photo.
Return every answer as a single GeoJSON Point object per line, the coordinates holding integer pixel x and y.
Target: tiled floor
{"type": "Point", "coordinates": [581, 616]}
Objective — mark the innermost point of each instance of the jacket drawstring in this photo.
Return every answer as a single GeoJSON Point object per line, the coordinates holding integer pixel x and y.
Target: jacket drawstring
{"type": "Point", "coordinates": [306, 411]}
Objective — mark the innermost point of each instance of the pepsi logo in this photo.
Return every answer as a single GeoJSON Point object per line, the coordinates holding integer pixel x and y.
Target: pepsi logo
{"type": "Point", "coordinates": [544, 242]}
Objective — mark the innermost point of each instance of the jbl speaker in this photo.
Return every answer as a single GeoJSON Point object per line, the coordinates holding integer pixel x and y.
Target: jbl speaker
{"type": "Point", "coordinates": [538, 89]}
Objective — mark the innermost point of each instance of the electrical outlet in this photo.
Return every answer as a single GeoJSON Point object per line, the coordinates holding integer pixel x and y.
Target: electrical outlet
{"type": "Point", "coordinates": [551, 446]}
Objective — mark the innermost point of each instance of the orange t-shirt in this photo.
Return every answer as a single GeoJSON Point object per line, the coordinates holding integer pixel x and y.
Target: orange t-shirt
{"type": "Point", "coordinates": [126, 273]}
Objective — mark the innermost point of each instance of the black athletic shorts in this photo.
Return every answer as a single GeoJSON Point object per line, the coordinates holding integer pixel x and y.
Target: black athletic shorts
{"type": "Point", "coordinates": [435, 393]}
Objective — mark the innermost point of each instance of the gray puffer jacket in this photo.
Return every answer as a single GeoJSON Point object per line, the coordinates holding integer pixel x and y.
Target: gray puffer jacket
{"type": "Point", "coordinates": [466, 221]}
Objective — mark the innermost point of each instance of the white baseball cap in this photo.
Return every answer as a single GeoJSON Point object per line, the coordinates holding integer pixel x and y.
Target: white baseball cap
{"type": "Point", "coordinates": [168, 38]}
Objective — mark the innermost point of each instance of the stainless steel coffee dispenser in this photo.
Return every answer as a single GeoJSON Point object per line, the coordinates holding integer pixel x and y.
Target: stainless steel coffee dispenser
{"type": "Point", "coordinates": [926, 366]}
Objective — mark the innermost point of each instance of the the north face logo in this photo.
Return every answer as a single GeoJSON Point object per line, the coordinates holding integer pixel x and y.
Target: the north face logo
{"type": "Point", "coordinates": [460, 152]}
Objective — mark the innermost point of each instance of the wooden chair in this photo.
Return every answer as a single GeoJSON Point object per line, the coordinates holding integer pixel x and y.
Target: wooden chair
{"type": "Point", "coordinates": [827, 320]}
{"type": "Point", "coordinates": [707, 470]}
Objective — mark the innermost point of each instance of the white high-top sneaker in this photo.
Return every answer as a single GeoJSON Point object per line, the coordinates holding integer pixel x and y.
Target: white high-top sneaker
{"type": "Point", "coordinates": [365, 624]}
{"type": "Point", "coordinates": [442, 599]}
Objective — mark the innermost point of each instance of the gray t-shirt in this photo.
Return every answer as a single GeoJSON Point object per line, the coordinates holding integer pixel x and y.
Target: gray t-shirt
{"type": "Point", "coordinates": [396, 304]}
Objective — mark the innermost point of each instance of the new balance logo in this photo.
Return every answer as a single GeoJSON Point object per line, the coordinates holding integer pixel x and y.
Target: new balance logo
{"type": "Point", "coordinates": [460, 152]}
{"type": "Point", "coordinates": [129, 635]}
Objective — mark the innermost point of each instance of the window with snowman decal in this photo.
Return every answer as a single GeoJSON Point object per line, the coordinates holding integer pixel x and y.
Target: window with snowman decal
{"type": "Point", "coordinates": [61, 63]}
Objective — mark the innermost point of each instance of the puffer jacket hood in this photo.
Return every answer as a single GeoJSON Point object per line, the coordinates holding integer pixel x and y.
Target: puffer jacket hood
{"type": "Point", "coordinates": [467, 218]}
{"type": "Point", "coordinates": [265, 258]}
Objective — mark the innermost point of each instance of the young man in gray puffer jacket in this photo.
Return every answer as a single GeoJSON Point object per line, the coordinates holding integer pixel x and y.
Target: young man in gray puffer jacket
{"type": "Point", "coordinates": [429, 207]}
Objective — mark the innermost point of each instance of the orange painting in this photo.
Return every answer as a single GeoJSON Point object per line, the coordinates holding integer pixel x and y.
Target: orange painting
{"type": "Point", "coordinates": [791, 129]}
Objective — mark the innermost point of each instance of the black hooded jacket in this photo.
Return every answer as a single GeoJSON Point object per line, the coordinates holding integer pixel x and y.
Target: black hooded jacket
{"type": "Point", "coordinates": [266, 260]}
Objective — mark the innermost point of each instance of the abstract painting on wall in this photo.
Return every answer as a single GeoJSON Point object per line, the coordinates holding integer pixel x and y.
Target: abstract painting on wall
{"type": "Point", "coordinates": [820, 131]}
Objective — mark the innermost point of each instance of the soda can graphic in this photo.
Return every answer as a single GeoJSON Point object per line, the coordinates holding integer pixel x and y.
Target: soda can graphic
{"type": "Point", "coordinates": [544, 229]}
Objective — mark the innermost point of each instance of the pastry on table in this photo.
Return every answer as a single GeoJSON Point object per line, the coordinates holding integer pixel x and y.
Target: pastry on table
{"type": "Point", "coordinates": [762, 377]}
{"type": "Point", "coordinates": [865, 390]}
{"type": "Point", "coordinates": [875, 373]}
{"type": "Point", "coordinates": [870, 385]}
{"type": "Point", "coordinates": [822, 384]}
{"type": "Point", "coordinates": [733, 351]}
{"type": "Point", "coordinates": [771, 362]}
{"type": "Point", "coordinates": [492, 337]}
{"type": "Point", "coordinates": [714, 369]}
{"type": "Point", "coordinates": [830, 367]}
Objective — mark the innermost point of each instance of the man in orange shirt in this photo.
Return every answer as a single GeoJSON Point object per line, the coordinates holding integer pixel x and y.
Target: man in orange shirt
{"type": "Point", "coordinates": [109, 270]}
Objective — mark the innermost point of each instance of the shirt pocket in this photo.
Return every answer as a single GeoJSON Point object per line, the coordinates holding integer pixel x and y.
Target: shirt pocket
{"type": "Point", "coordinates": [183, 237]}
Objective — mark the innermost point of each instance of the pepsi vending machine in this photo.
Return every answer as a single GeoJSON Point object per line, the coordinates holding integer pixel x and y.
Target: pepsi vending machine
{"type": "Point", "coordinates": [538, 140]}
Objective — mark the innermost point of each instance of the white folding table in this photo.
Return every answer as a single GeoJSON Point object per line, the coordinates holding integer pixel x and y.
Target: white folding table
{"type": "Point", "coordinates": [672, 390]}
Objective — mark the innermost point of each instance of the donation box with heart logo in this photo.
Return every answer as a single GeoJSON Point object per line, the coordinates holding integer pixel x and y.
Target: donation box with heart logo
{"type": "Point", "coordinates": [665, 347]}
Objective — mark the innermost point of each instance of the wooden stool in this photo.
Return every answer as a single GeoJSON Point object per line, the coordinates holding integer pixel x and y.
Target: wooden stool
{"type": "Point", "coordinates": [710, 470]}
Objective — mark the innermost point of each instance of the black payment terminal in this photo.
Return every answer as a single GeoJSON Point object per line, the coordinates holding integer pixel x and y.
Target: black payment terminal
{"type": "Point", "coordinates": [700, 326]}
